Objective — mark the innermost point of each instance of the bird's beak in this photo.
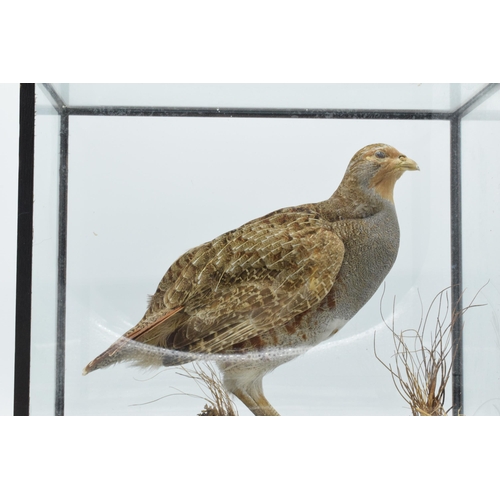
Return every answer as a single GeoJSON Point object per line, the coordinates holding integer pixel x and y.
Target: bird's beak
{"type": "Point", "coordinates": [405, 163]}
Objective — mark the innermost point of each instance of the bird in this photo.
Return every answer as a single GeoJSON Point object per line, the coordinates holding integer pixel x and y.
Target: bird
{"type": "Point", "coordinates": [260, 295]}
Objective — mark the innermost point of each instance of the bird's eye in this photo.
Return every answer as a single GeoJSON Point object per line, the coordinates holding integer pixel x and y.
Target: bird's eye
{"type": "Point", "coordinates": [380, 154]}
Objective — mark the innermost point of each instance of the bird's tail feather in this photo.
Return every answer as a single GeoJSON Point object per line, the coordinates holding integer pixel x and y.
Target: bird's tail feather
{"type": "Point", "coordinates": [141, 344]}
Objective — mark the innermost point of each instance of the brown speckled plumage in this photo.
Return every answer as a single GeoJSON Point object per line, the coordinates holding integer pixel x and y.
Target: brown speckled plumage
{"type": "Point", "coordinates": [276, 285]}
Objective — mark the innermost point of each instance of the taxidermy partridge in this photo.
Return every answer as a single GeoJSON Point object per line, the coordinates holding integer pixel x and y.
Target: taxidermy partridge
{"type": "Point", "coordinates": [260, 295]}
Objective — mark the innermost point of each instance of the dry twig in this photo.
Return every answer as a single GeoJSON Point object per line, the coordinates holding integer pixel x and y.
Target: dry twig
{"type": "Point", "coordinates": [422, 367]}
{"type": "Point", "coordinates": [219, 402]}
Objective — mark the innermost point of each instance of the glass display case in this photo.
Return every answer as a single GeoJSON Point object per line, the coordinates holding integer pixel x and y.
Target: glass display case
{"type": "Point", "coordinates": [128, 177]}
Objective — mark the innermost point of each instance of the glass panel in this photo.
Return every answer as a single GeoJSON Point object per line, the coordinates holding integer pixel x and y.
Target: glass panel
{"type": "Point", "coordinates": [45, 221]}
{"type": "Point", "coordinates": [142, 191]}
{"type": "Point", "coordinates": [410, 96]}
{"type": "Point", "coordinates": [481, 239]}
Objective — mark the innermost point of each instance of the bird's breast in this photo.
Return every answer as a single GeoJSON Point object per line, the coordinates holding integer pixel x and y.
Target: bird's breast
{"type": "Point", "coordinates": [371, 249]}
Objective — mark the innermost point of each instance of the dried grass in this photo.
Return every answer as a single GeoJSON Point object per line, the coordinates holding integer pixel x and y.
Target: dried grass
{"type": "Point", "coordinates": [422, 361]}
{"type": "Point", "coordinates": [219, 402]}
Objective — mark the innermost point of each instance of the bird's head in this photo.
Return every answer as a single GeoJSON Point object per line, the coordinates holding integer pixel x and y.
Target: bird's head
{"type": "Point", "coordinates": [377, 167]}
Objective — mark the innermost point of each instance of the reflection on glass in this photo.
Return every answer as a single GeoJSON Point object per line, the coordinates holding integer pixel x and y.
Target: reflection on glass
{"type": "Point", "coordinates": [481, 240]}
{"type": "Point", "coordinates": [45, 223]}
{"type": "Point", "coordinates": [412, 96]}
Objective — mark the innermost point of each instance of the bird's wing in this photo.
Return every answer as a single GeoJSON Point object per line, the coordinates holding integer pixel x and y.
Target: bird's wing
{"type": "Point", "coordinates": [244, 283]}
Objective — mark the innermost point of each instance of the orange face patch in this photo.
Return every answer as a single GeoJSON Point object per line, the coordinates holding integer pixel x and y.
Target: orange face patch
{"type": "Point", "coordinates": [384, 180]}
{"type": "Point", "coordinates": [387, 175]}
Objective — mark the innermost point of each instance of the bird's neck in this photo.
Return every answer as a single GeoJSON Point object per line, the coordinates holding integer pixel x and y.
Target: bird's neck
{"type": "Point", "coordinates": [352, 201]}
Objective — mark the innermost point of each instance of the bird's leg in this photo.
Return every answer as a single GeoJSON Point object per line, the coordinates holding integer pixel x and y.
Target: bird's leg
{"type": "Point", "coordinates": [260, 407]}
{"type": "Point", "coordinates": [253, 397]}
{"type": "Point", "coordinates": [265, 407]}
